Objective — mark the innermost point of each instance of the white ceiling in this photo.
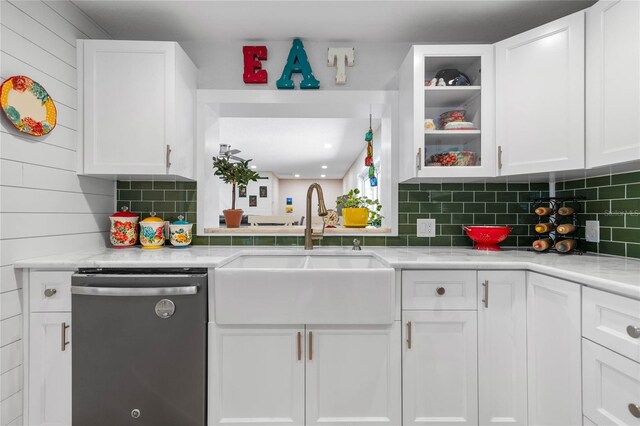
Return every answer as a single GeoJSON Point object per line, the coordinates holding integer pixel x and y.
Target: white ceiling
{"type": "Point", "coordinates": [289, 146]}
{"type": "Point", "coordinates": [425, 21]}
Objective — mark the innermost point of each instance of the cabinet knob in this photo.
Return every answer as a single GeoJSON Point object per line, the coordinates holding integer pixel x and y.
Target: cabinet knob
{"type": "Point", "coordinates": [50, 292]}
{"type": "Point", "coordinates": [633, 331]}
{"type": "Point", "coordinates": [440, 291]}
{"type": "Point", "coordinates": [634, 409]}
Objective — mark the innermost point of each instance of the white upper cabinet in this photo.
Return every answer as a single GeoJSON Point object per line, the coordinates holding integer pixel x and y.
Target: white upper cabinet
{"type": "Point", "coordinates": [613, 82]}
{"type": "Point", "coordinates": [137, 103]}
{"type": "Point", "coordinates": [418, 102]}
{"type": "Point", "coordinates": [540, 98]}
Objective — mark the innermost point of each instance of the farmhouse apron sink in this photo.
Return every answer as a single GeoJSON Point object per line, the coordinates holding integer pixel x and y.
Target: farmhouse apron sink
{"type": "Point", "coordinates": [304, 289]}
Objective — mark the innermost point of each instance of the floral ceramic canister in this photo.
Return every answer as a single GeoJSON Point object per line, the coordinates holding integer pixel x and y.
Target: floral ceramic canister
{"type": "Point", "coordinates": [152, 231]}
{"type": "Point", "coordinates": [124, 228]}
{"type": "Point", "coordinates": [180, 233]}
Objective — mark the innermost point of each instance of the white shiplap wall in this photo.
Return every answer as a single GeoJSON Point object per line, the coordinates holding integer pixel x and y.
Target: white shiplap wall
{"type": "Point", "coordinates": [45, 208]}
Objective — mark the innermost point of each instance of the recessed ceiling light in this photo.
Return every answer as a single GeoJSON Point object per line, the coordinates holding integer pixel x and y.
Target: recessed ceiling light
{"type": "Point", "coordinates": [323, 176]}
{"type": "Point", "coordinates": [327, 145]}
{"type": "Point", "coordinates": [324, 167]}
{"type": "Point", "coordinates": [253, 167]}
{"type": "Point", "coordinates": [297, 175]}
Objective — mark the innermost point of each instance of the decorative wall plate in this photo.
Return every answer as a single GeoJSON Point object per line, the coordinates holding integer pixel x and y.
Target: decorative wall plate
{"type": "Point", "coordinates": [27, 105]}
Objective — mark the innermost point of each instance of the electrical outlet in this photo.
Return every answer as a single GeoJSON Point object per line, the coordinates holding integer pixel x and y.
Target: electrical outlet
{"type": "Point", "coordinates": [592, 231]}
{"type": "Point", "coordinates": [426, 227]}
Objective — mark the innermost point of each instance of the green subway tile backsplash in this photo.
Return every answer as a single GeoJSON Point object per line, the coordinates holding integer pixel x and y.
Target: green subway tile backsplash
{"type": "Point", "coordinates": [451, 204]}
{"type": "Point", "coordinates": [614, 200]}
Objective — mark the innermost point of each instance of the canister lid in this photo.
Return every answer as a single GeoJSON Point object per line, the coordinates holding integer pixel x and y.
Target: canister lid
{"type": "Point", "coordinates": [124, 212]}
{"type": "Point", "coordinates": [152, 218]}
{"type": "Point", "coordinates": [181, 221]}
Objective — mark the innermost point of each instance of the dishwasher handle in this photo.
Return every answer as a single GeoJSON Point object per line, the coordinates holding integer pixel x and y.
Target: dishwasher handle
{"type": "Point", "coordinates": [134, 291]}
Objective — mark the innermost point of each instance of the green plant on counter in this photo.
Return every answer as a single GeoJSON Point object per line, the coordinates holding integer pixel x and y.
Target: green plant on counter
{"type": "Point", "coordinates": [235, 173]}
{"type": "Point", "coordinates": [353, 200]}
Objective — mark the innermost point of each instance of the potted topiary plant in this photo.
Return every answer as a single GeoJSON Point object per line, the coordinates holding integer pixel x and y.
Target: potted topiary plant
{"type": "Point", "coordinates": [237, 174]}
{"type": "Point", "coordinates": [360, 211]}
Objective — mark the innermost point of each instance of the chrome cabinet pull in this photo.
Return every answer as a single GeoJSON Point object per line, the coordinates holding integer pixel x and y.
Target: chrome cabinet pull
{"type": "Point", "coordinates": [299, 344]}
{"type": "Point", "coordinates": [440, 291]}
{"type": "Point", "coordinates": [311, 346]}
{"type": "Point", "coordinates": [485, 298]}
{"type": "Point", "coordinates": [499, 157]}
{"type": "Point", "coordinates": [419, 159]}
{"type": "Point", "coordinates": [134, 291]}
{"type": "Point", "coordinates": [409, 335]}
{"type": "Point", "coordinates": [49, 292]}
{"type": "Point", "coordinates": [63, 336]}
{"type": "Point", "coordinates": [168, 156]}
{"type": "Point", "coordinates": [633, 331]}
{"type": "Point", "coordinates": [634, 409]}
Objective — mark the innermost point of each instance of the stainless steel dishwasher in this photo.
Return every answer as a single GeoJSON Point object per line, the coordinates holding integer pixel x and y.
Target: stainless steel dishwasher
{"type": "Point", "coordinates": [139, 347]}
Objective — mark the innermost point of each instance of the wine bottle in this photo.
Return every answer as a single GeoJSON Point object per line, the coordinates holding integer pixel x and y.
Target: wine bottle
{"type": "Point", "coordinates": [566, 211]}
{"type": "Point", "coordinates": [544, 211]}
{"type": "Point", "coordinates": [564, 246]}
{"type": "Point", "coordinates": [542, 245]}
{"type": "Point", "coordinates": [542, 228]}
{"type": "Point", "coordinates": [565, 228]}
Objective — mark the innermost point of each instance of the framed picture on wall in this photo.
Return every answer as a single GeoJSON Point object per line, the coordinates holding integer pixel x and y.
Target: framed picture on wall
{"type": "Point", "coordinates": [253, 201]}
{"type": "Point", "coordinates": [289, 201]}
{"type": "Point", "coordinates": [242, 191]}
{"type": "Point", "coordinates": [263, 192]}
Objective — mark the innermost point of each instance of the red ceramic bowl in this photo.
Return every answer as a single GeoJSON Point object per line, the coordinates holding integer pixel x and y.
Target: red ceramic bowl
{"type": "Point", "coordinates": [487, 237]}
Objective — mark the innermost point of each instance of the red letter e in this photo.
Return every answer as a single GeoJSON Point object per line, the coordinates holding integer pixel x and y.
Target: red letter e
{"type": "Point", "coordinates": [253, 72]}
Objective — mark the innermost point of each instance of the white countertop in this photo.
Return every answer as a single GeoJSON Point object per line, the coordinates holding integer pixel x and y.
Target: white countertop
{"type": "Point", "coordinates": [614, 274]}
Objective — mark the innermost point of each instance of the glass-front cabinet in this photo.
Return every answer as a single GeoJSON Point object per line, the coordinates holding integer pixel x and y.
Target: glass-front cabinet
{"type": "Point", "coordinates": [447, 112]}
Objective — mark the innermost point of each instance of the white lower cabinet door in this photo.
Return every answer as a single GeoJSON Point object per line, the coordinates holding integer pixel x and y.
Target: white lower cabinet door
{"type": "Point", "coordinates": [611, 389]}
{"type": "Point", "coordinates": [587, 422]}
{"type": "Point", "coordinates": [440, 370]}
{"type": "Point", "coordinates": [256, 375]}
{"type": "Point", "coordinates": [50, 369]}
{"type": "Point", "coordinates": [553, 351]}
{"type": "Point", "coordinates": [502, 347]}
{"type": "Point", "coordinates": [353, 375]}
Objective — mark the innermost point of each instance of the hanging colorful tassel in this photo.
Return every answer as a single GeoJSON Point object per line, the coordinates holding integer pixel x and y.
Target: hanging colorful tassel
{"type": "Point", "coordinates": [368, 161]}
{"type": "Point", "coordinates": [369, 136]}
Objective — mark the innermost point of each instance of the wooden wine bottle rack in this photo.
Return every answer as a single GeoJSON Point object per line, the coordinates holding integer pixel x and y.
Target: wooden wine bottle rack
{"type": "Point", "coordinates": [555, 203]}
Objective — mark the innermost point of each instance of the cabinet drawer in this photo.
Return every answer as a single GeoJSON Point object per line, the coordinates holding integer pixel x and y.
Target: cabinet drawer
{"type": "Point", "coordinates": [439, 290]}
{"type": "Point", "coordinates": [613, 321]}
{"type": "Point", "coordinates": [611, 386]}
{"type": "Point", "coordinates": [50, 291]}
